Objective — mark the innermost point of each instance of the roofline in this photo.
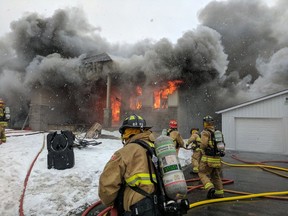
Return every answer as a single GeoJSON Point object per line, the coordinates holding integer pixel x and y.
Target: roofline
{"type": "Point", "coordinates": [253, 101]}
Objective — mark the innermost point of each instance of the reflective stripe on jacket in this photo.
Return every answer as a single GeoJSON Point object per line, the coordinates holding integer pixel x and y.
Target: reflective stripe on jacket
{"type": "Point", "coordinates": [3, 124]}
{"type": "Point", "coordinates": [140, 178]}
{"type": "Point", "coordinates": [128, 164]}
{"type": "Point", "coordinates": [212, 161]}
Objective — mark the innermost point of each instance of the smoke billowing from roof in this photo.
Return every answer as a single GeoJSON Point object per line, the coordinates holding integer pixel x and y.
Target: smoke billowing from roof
{"type": "Point", "coordinates": [255, 39]}
{"type": "Point", "coordinates": [240, 47]}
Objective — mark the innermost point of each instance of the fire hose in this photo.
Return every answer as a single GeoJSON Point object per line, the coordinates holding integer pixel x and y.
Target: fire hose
{"type": "Point", "coordinates": [249, 196]}
{"type": "Point", "coordinates": [91, 207]}
{"type": "Point", "coordinates": [245, 195]}
{"type": "Point", "coordinates": [238, 198]}
{"type": "Point", "coordinates": [21, 212]}
{"type": "Point", "coordinates": [103, 212]}
{"type": "Point", "coordinates": [256, 165]}
{"type": "Point", "coordinates": [263, 163]}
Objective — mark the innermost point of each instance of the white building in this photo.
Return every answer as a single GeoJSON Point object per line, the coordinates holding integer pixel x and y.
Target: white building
{"type": "Point", "coordinates": [260, 125]}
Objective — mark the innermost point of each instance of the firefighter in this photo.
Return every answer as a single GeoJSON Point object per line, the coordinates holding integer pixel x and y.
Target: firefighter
{"type": "Point", "coordinates": [210, 163]}
{"type": "Point", "coordinates": [194, 141]}
{"type": "Point", "coordinates": [3, 122]}
{"type": "Point", "coordinates": [175, 135]}
{"type": "Point", "coordinates": [129, 167]}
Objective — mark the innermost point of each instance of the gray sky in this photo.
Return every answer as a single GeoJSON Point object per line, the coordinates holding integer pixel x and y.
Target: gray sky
{"type": "Point", "coordinates": [118, 20]}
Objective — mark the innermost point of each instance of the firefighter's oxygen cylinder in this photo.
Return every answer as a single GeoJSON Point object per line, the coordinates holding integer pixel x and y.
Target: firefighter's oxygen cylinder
{"type": "Point", "coordinates": [219, 142]}
{"type": "Point", "coordinates": [7, 113]}
{"type": "Point", "coordinates": [172, 174]}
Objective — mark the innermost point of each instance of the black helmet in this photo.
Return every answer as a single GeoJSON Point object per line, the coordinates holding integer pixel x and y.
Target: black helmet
{"type": "Point", "coordinates": [133, 121]}
{"type": "Point", "coordinates": [208, 119]}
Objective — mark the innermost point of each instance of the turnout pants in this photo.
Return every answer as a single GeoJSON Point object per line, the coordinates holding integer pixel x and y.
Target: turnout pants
{"type": "Point", "coordinates": [195, 160]}
{"type": "Point", "coordinates": [215, 175]}
{"type": "Point", "coordinates": [2, 134]}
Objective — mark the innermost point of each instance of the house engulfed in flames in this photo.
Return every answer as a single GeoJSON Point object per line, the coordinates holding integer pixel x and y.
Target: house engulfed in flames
{"type": "Point", "coordinates": [105, 100]}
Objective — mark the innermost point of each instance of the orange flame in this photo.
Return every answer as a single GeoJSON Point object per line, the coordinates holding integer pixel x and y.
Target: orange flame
{"type": "Point", "coordinates": [115, 106]}
{"type": "Point", "coordinates": [135, 101]}
{"type": "Point", "coordinates": [161, 96]}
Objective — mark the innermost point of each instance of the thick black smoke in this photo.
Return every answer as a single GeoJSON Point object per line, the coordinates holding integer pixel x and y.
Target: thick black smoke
{"type": "Point", "coordinates": [254, 37]}
{"type": "Point", "coordinates": [44, 52]}
{"type": "Point", "coordinates": [239, 52]}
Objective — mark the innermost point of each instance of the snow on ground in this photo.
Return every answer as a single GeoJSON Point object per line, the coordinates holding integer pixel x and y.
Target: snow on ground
{"type": "Point", "coordinates": [50, 191]}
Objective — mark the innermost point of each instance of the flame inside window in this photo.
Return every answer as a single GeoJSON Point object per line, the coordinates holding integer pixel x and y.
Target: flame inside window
{"type": "Point", "coordinates": [136, 100]}
{"type": "Point", "coordinates": [161, 95]}
{"type": "Point", "coordinates": [115, 106]}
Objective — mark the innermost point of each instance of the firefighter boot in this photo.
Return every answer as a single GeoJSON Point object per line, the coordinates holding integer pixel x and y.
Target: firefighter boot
{"type": "Point", "coordinates": [219, 194]}
{"type": "Point", "coordinates": [195, 170]}
{"type": "Point", "coordinates": [211, 193]}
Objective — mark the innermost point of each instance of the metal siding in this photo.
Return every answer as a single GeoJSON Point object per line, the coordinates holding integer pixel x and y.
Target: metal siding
{"type": "Point", "coordinates": [285, 134]}
{"type": "Point", "coordinates": [273, 107]}
{"type": "Point", "coordinates": [283, 94]}
{"type": "Point", "coordinates": [228, 130]}
{"type": "Point", "coordinates": [259, 135]}
{"type": "Point", "coordinates": [276, 107]}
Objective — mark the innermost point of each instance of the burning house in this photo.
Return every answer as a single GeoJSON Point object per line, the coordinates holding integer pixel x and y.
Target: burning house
{"type": "Point", "coordinates": [50, 84]}
{"type": "Point", "coordinates": [71, 106]}
{"type": "Point", "coordinates": [107, 102]}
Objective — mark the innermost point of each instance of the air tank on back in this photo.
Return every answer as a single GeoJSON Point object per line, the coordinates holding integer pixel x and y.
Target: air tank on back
{"type": "Point", "coordinates": [172, 174]}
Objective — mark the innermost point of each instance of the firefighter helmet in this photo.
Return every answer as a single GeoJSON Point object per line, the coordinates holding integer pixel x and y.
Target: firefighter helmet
{"type": "Point", "coordinates": [208, 118]}
{"type": "Point", "coordinates": [194, 129]}
{"type": "Point", "coordinates": [133, 121]}
{"type": "Point", "coordinates": [173, 124]}
{"type": "Point", "coordinates": [208, 121]}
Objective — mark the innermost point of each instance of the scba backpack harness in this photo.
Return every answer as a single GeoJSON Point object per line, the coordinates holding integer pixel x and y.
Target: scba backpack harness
{"type": "Point", "coordinates": [218, 148]}
{"type": "Point", "coordinates": [162, 205]}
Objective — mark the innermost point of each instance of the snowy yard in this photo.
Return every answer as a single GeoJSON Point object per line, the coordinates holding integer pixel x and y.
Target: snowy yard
{"type": "Point", "coordinates": [51, 191]}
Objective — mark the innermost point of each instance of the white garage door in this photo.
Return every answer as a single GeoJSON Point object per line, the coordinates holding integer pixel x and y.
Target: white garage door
{"type": "Point", "coordinates": [259, 135]}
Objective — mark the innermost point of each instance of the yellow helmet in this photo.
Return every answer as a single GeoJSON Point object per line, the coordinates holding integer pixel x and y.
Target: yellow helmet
{"type": "Point", "coordinates": [194, 130]}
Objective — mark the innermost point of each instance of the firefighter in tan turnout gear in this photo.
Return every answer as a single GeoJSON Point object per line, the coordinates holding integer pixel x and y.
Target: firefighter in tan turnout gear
{"type": "Point", "coordinates": [210, 164]}
{"type": "Point", "coordinates": [128, 171]}
{"type": "Point", "coordinates": [175, 135]}
{"type": "Point", "coordinates": [4, 118]}
{"type": "Point", "coordinates": [194, 141]}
